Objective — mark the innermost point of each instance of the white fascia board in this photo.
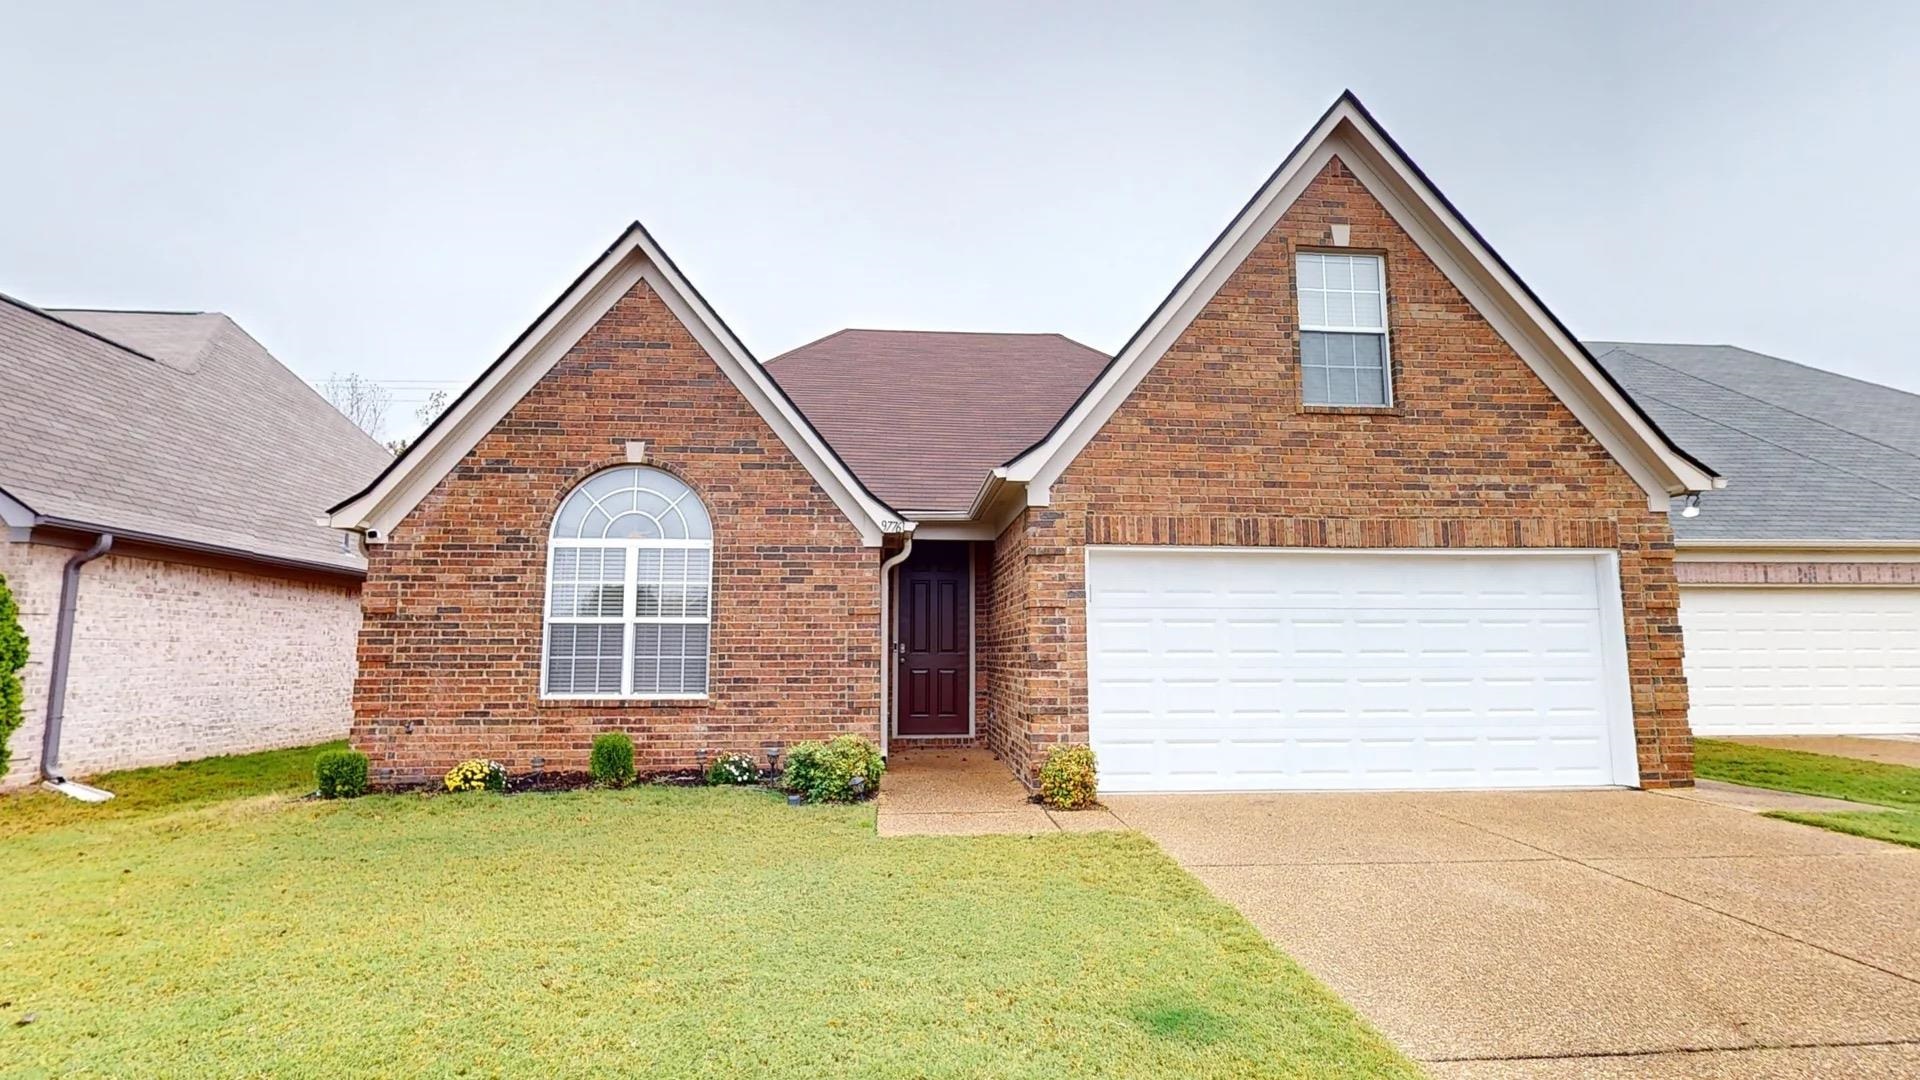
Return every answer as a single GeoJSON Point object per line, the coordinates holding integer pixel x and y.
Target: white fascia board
{"type": "Point", "coordinates": [15, 514]}
{"type": "Point", "coordinates": [380, 509]}
{"type": "Point", "coordinates": [1345, 132]}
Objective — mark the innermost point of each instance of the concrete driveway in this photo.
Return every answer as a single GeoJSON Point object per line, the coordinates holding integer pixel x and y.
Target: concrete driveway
{"type": "Point", "coordinates": [1589, 933]}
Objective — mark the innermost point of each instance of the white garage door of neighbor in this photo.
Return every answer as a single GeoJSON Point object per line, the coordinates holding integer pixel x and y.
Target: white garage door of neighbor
{"type": "Point", "coordinates": [1215, 669]}
{"type": "Point", "coordinates": [1802, 661]}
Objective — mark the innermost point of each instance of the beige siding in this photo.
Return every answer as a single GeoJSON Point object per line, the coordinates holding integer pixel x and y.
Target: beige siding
{"type": "Point", "coordinates": [173, 661]}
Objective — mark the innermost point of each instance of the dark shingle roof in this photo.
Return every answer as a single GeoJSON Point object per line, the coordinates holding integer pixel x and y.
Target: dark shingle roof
{"type": "Point", "coordinates": [1808, 454]}
{"type": "Point", "coordinates": [921, 416]}
{"type": "Point", "coordinates": [175, 425]}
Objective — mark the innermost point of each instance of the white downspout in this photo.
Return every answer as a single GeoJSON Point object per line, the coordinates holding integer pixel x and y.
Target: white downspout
{"type": "Point", "coordinates": [886, 651]}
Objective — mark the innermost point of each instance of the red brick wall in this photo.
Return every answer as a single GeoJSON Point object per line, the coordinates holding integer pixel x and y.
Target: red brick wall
{"type": "Point", "coordinates": [451, 642]}
{"type": "Point", "coordinates": [1215, 447]}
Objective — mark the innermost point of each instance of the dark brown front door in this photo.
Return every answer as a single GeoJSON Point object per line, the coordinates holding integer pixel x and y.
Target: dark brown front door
{"type": "Point", "coordinates": [930, 649]}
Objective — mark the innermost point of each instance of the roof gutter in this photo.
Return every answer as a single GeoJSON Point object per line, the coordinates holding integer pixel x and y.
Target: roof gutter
{"type": "Point", "coordinates": [157, 540]}
{"type": "Point", "coordinates": [50, 769]}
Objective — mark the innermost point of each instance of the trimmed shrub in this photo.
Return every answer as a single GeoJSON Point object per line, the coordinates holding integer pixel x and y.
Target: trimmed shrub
{"type": "Point", "coordinates": [826, 772]}
{"type": "Point", "coordinates": [732, 768]}
{"type": "Point", "coordinates": [13, 657]}
{"type": "Point", "coordinates": [1069, 778]}
{"type": "Point", "coordinates": [612, 761]}
{"type": "Point", "coordinates": [477, 775]}
{"type": "Point", "coordinates": [341, 774]}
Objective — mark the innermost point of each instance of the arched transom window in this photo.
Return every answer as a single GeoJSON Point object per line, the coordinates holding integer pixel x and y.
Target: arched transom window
{"type": "Point", "coordinates": [629, 589]}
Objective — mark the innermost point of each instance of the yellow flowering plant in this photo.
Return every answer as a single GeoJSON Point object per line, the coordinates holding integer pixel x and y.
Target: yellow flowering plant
{"type": "Point", "coordinates": [477, 775]}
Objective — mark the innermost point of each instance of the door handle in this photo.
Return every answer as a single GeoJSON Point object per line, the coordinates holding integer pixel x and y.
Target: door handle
{"type": "Point", "coordinates": [900, 652]}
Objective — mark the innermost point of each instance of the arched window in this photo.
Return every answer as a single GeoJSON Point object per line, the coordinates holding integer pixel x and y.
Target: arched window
{"type": "Point", "coordinates": [629, 589]}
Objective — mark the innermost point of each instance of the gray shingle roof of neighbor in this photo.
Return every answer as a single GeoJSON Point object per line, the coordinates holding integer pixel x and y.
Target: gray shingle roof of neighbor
{"type": "Point", "coordinates": [1808, 454]}
{"type": "Point", "coordinates": [176, 426]}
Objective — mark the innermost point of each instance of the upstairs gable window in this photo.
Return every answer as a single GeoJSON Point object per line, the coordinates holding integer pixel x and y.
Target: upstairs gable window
{"type": "Point", "coordinates": [1343, 329]}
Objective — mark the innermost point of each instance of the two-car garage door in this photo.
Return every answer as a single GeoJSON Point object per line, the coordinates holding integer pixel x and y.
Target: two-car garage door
{"type": "Point", "coordinates": [1216, 669]}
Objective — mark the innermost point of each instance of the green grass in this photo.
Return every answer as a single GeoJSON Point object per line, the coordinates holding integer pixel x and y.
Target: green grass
{"type": "Point", "coordinates": [139, 792]}
{"type": "Point", "coordinates": [1873, 782]}
{"type": "Point", "coordinates": [1809, 774]}
{"type": "Point", "coordinates": [1893, 826]}
{"type": "Point", "coordinates": [669, 932]}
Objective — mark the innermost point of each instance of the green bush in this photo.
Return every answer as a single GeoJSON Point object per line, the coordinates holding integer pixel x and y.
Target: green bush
{"type": "Point", "coordinates": [612, 761]}
{"type": "Point", "coordinates": [732, 768]}
{"type": "Point", "coordinates": [13, 657]}
{"type": "Point", "coordinates": [477, 775]}
{"type": "Point", "coordinates": [825, 772]}
{"type": "Point", "coordinates": [1068, 780]}
{"type": "Point", "coordinates": [341, 774]}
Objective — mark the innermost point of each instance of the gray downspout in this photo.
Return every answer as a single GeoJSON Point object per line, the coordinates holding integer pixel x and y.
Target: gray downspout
{"type": "Point", "coordinates": [57, 677]}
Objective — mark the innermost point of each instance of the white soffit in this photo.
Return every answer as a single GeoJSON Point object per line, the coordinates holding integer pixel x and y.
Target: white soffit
{"type": "Point", "coordinates": [1347, 132]}
{"type": "Point", "coordinates": [632, 259]}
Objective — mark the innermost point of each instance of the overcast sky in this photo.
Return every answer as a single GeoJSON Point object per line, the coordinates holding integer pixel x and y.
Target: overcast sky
{"type": "Point", "coordinates": [397, 189]}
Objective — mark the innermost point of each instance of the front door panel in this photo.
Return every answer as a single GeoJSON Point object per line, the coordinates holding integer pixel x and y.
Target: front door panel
{"type": "Point", "coordinates": [931, 646]}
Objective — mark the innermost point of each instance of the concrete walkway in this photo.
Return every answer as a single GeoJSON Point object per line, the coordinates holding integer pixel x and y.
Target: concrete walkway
{"type": "Point", "coordinates": [1576, 934]}
{"type": "Point", "coordinates": [1756, 800]}
{"type": "Point", "coordinates": [968, 793]}
{"type": "Point", "coordinates": [1889, 749]}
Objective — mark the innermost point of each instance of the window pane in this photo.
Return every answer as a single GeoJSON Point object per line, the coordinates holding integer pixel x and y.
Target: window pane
{"type": "Point", "coordinates": [587, 582]}
{"type": "Point", "coordinates": [1339, 309]}
{"type": "Point", "coordinates": [646, 584]}
{"type": "Point", "coordinates": [1372, 390]}
{"type": "Point", "coordinates": [1312, 271]}
{"type": "Point", "coordinates": [1366, 309]}
{"type": "Point", "coordinates": [1313, 308]}
{"type": "Point", "coordinates": [1366, 274]}
{"type": "Point", "coordinates": [584, 659]}
{"type": "Point", "coordinates": [1339, 272]}
{"type": "Point", "coordinates": [1343, 369]}
{"type": "Point", "coordinates": [1316, 385]}
{"type": "Point", "coordinates": [670, 658]}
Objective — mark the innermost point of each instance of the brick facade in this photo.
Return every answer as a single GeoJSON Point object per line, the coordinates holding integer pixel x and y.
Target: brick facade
{"type": "Point", "coordinates": [1798, 573]}
{"type": "Point", "coordinates": [1215, 447]}
{"type": "Point", "coordinates": [174, 660]}
{"type": "Point", "coordinates": [451, 649]}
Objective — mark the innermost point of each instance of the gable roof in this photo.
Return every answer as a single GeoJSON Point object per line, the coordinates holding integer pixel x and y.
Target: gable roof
{"type": "Point", "coordinates": [174, 427]}
{"type": "Point", "coordinates": [1347, 131]}
{"type": "Point", "coordinates": [923, 416]}
{"type": "Point", "coordinates": [1814, 456]}
{"type": "Point", "coordinates": [632, 258]}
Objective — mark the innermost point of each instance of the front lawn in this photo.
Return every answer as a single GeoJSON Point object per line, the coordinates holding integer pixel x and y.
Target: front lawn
{"type": "Point", "coordinates": [1872, 782]}
{"type": "Point", "coordinates": [675, 932]}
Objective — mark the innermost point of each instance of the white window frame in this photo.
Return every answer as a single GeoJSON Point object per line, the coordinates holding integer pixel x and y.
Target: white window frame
{"type": "Point", "coordinates": [627, 619]}
{"type": "Point", "coordinates": [1385, 335]}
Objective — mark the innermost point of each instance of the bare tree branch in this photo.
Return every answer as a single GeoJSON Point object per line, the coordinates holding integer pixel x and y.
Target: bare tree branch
{"type": "Point", "coordinates": [359, 399]}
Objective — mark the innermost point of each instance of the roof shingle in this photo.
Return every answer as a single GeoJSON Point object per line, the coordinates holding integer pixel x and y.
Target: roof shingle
{"type": "Point", "coordinates": [922, 416]}
{"type": "Point", "coordinates": [178, 426]}
{"type": "Point", "coordinates": [1808, 454]}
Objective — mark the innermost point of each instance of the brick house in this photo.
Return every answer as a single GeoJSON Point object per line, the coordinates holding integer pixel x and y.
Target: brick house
{"type": "Point", "coordinates": [1351, 509]}
{"type": "Point", "coordinates": [165, 471]}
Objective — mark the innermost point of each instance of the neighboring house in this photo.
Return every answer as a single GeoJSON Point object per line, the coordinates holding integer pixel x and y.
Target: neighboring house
{"type": "Point", "coordinates": [1351, 509]}
{"type": "Point", "coordinates": [1799, 583]}
{"type": "Point", "coordinates": [222, 618]}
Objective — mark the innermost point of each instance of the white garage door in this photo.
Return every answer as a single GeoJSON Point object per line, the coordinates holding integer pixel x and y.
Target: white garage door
{"type": "Point", "coordinates": [1802, 661]}
{"type": "Point", "coordinates": [1258, 670]}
